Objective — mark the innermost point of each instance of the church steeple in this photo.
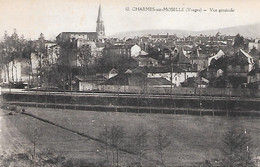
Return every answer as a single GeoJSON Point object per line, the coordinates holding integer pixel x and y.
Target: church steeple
{"type": "Point", "coordinates": [100, 24]}
{"type": "Point", "coordinates": [99, 18]}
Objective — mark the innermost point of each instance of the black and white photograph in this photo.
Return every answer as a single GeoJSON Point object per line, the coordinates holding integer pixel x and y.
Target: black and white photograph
{"type": "Point", "coordinates": [129, 83]}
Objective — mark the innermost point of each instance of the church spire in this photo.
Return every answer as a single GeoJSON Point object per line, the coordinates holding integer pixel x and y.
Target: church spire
{"type": "Point", "coordinates": [99, 18]}
{"type": "Point", "coordinates": [100, 25]}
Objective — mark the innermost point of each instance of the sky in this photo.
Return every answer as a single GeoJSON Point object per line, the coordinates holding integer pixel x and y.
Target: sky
{"type": "Point", "coordinates": [50, 17]}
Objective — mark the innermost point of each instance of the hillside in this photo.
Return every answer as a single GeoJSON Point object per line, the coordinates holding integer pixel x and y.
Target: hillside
{"type": "Point", "coordinates": [250, 31]}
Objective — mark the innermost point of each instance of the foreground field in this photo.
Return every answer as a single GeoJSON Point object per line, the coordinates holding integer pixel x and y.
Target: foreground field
{"type": "Point", "coordinates": [193, 138]}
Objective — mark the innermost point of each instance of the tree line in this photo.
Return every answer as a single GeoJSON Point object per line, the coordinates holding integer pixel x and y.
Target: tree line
{"type": "Point", "coordinates": [236, 152]}
{"type": "Point", "coordinates": [14, 48]}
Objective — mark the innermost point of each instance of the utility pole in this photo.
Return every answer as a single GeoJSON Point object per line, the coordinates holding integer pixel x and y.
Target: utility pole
{"type": "Point", "coordinates": [171, 78]}
{"type": "Point", "coordinates": [200, 103]}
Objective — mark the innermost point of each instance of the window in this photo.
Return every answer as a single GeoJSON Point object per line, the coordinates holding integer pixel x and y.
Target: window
{"type": "Point", "coordinates": [230, 67]}
{"type": "Point", "coordinates": [246, 67]}
{"type": "Point", "coordinates": [238, 68]}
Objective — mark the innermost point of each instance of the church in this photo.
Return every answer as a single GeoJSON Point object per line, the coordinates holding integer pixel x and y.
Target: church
{"type": "Point", "coordinates": [78, 39]}
{"type": "Point", "coordinates": [89, 36]}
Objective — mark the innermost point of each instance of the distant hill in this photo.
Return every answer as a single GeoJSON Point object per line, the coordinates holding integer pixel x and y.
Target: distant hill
{"type": "Point", "coordinates": [250, 31]}
{"type": "Point", "coordinates": [146, 32]}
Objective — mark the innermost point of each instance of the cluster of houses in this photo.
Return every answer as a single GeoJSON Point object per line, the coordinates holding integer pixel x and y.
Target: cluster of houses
{"type": "Point", "coordinates": [157, 61]}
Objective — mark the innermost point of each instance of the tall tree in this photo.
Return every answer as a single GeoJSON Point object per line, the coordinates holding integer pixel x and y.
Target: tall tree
{"type": "Point", "coordinates": [237, 142]}
{"type": "Point", "coordinates": [140, 144]}
{"type": "Point", "coordinates": [162, 141]}
{"type": "Point", "coordinates": [85, 59]}
{"type": "Point", "coordinates": [12, 48]}
{"type": "Point", "coordinates": [117, 135]}
{"type": "Point", "coordinates": [65, 62]}
{"type": "Point", "coordinates": [40, 51]}
{"type": "Point", "coordinates": [240, 43]}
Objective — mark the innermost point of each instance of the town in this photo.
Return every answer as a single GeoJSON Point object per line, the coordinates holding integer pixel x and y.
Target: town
{"type": "Point", "coordinates": [87, 61]}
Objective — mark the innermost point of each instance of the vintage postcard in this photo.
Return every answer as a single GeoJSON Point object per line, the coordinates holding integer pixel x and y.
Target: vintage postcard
{"type": "Point", "coordinates": [130, 83]}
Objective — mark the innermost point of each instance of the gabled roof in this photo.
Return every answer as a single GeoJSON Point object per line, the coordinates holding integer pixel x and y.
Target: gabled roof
{"type": "Point", "coordinates": [139, 69]}
{"type": "Point", "coordinates": [53, 46]}
{"type": "Point", "coordinates": [113, 71]}
{"type": "Point", "coordinates": [90, 78]}
{"type": "Point", "coordinates": [129, 71]}
{"type": "Point", "coordinates": [217, 56]}
{"type": "Point", "coordinates": [241, 57]}
{"type": "Point", "coordinates": [123, 78]}
{"type": "Point", "coordinates": [249, 58]}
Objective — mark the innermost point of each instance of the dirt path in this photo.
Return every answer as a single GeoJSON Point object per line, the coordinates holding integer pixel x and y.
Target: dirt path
{"type": "Point", "coordinates": [11, 140]}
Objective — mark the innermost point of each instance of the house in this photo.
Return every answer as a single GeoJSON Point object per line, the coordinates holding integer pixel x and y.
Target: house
{"type": "Point", "coordinates": [158, 82]}
{"type": "Point", "coordinates": [216, 68]}
{"type": "Point", "coordinates": [216, 56]}
{"type": "Point", "coordinates": [253, 78]}
{"type": "Point", "coordinates": [229, 70]}
{"type": "Point", "coordinates": [198, 59]}
{"type": "Point", "coordinates": [235, 67]}
{"type": "Point", "coordinates": [16, 71]}
{"type": "Point", "coordinates": [175, 75]}
{"type": "Point", "coordinates": [135, 51]}
{"type": "Point", "coordinates": [88, 83]}
{"type": "Point", "coordinates": [198, 82]}
{"type": "Point", "coordinates": [126, 79]}
{"type": "Point", "coordinates": [118, 50]}
{"type": "Point", "coordinates": [240, 64]}
{"type": "Point", "coordinates": [53, 53]}
{"type": "Point", "coordinates": [182, 61]}
{"type": "Point", "coordinates": [182, 76]}
{"type": "Point", "coordinates": [156, 72]}
{"type": "Point", "coordinates": [254, 44]}
{"type": "Point", "coordinates": [89, 50]}
{"type": "Point", "coordinates": [144, 60]}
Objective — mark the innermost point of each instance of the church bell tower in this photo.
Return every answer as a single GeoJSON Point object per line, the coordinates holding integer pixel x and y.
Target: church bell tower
{"type": "Point", "coordinates": [100, 30]}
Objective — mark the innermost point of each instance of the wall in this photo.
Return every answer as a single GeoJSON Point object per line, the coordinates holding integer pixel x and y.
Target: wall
{"type": "Point", "coordinates": [177, 78]}
{"type": "Point", "coordinates": [135, 51]}
{"type": "Point", "coordinates": [180, 90]}
{"type": "Point", "coordinates": [253, 78]}
{"type": "Point", "coordinates": [85, 86]}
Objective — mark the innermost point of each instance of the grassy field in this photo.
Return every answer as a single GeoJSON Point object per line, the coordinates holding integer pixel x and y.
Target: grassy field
{"type": "Point", "coordinates": [193, 138]}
